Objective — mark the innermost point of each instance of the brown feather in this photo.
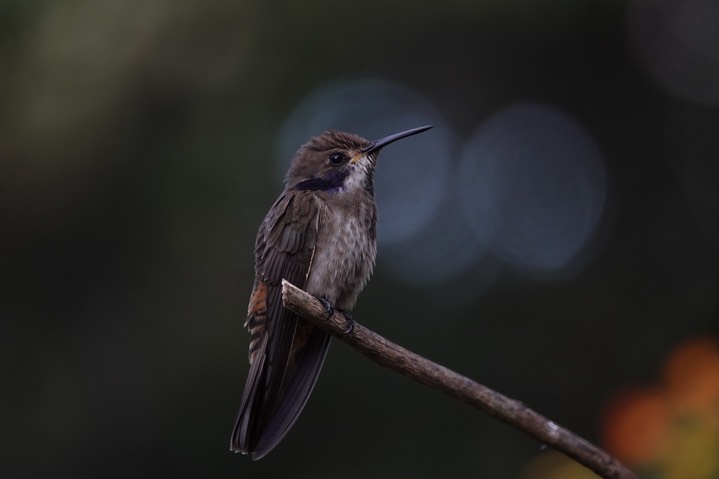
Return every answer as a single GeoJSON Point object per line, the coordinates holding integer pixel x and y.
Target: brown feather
{"type": "Point", "coordinates": [286, 354]}
{"type": "Point", "coordinates": [320, 236]}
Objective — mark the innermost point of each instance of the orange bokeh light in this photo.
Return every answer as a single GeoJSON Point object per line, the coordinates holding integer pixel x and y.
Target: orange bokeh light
{"type": "Point", "coordinates": [661, 425]}
{"type": "Point", "coordinates": [691, 375]}
{"type": "Point", "coordinates": [635, 425]}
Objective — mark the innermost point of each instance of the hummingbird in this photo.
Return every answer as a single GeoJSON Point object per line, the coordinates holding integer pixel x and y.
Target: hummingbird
{"type": "Point", "coordinates": [320, 236]}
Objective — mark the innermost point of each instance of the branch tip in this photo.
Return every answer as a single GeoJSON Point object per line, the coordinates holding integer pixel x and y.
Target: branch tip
{"type": "Point", "coordinates": [438, 377]}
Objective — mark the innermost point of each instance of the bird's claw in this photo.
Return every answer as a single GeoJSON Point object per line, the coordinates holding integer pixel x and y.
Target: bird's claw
{"type": "Point", "coordinates": [350, 326]}
{"type": "Point", "coordinates": [329, 309]}
{"type": "Point", "coordinates": [350, 322]}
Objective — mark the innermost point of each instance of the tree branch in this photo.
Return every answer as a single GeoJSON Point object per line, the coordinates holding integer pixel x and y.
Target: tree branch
{"type": "Point", "coordinates": [438, 377]}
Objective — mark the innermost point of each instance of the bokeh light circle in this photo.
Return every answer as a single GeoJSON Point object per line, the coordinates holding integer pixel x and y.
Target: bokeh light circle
{"type": "Point", "coordinates": [678, 42]}
{"type": "Point", "coordinates": [412, 174]}
{"type": "Point", "coordinates": [533, 187]}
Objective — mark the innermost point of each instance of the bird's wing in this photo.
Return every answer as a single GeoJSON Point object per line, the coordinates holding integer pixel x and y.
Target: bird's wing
{"type": "Point", "coordinates": [286, 354]}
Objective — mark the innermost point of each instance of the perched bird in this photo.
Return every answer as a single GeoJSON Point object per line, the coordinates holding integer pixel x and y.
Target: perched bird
{"type": "Point", "coordinates": [320, 236]}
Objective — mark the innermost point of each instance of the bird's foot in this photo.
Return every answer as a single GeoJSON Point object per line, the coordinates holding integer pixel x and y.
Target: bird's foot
{"type": "Point", "coordinates": [329, 309]}
{"type": "Point", "coordinates": [350, 321]}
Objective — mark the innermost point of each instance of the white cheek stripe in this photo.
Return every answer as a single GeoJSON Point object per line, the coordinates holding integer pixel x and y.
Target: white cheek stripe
{"type": "Point", "coordinates": [358, 172]}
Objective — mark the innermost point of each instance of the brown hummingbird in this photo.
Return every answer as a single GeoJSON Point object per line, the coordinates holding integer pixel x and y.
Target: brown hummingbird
{"type": "Point", "coordinates": [320, 236]}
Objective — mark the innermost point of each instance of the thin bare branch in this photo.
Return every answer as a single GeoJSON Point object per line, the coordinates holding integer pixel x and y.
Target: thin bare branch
{"type": "Point", "coordinates": [438, 377]}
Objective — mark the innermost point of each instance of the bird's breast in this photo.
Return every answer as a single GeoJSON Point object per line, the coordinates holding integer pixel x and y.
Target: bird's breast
{"type": "Point", "coordinates": [345, 253]}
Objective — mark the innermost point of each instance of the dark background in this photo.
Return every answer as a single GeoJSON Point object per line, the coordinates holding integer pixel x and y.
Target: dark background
{"type": "Point", "coordinates": [138, 155]}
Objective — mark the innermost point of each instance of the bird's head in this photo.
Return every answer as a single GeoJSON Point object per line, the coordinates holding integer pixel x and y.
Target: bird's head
{"type": "Point", "coordinates": [336, 162]}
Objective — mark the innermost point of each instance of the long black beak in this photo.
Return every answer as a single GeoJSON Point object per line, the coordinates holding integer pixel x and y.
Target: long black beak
{"type": "Point", "coordinates": [382, 142]}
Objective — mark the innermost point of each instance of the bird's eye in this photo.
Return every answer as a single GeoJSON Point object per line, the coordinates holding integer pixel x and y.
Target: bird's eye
{"type": "Point", "coordinates": [337, 158]}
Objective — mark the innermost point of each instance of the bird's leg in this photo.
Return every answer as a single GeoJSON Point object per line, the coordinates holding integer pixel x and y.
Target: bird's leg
{"type": "Point", "coordinates": [350, 321]}
{"type": "Point", "coordinates": [329, 309]}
